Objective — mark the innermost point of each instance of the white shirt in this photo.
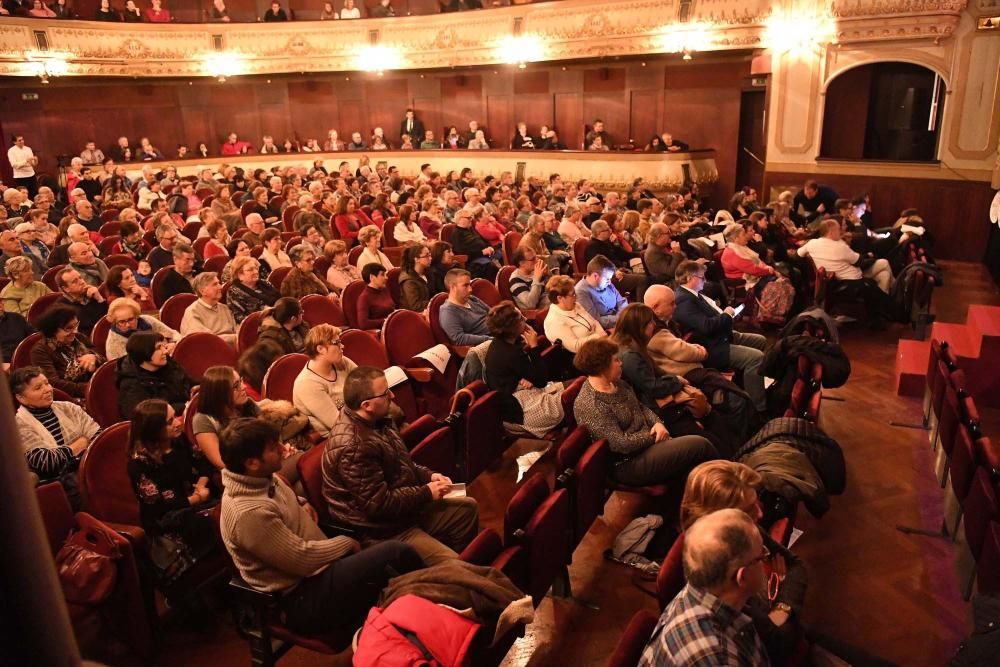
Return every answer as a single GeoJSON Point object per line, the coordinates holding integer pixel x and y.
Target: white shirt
{"type": "Point", "coordinates": [20, 159]}
{"type": "Point", "coordinates": [403, 234]}
{"type": "Point", "coordinates": [834, 256]}
{"type": "Point", "coordinates": [350, 13]}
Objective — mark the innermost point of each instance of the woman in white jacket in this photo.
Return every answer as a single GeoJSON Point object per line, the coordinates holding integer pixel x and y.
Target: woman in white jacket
{"type": "Point", "coordinates": [567, 321]}
{"type": "Point", "coordinates": [407, 231]}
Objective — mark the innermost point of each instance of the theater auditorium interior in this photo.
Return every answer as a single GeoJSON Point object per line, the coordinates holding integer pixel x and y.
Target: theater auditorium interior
{"type": "Point", "coordinates": [500, 332]}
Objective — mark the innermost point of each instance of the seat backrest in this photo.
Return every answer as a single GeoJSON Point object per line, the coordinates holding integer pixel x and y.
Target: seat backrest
{"type": "Point", "coordinates": [107, 244]}
{"type": "Point", "coordinates": [628, 651]}
{"type": "Point", "coordinates": [191, 230]}
{"type": "Point", "coordinates": [393, 276]}
{"type": "Point", "coordinates": [389, 235]}
{"type": "Point", "coordinates": [310, 467]}
{"type": "Point", "coordinates": [172, 310]}
{"type": "Point", "coordinates": [278, 275]}
{"type": "Point", "coordinates": [539, 520]}
{"type": "Point", "coordinates": [110, 227]}
{"type": "Point", "coordinates": [199, 351]}
{"type": "Point", "coordinates": [447, 230]}
{"type": "Point", "coordinates": [318, 309]}
{"type": "Point", "coordinates": [42, 304]}
{"type": "Point", "coordinates": [436, 451]}
{"type": "Point", "coordinates": [156, 285]}
{"type": "Point", "coordinates": [49, 277]}
{"type": "Point", "coordinates": [216, 263]}
{"type": "Point", "coordinates": [503, 282]}
{"type": "Point", "coordinates": [57, 515]}
{"type": "Point", "coordinates": [102, 394]}
{"type": "Point", "coordinates": [199, 246]}
{"type": "Point", "coordinates": [579, 256]}
{"type": "Point", "coordinates": [950, 419]}
{"type": "Point", "coordinates": [980, 507]}
{"type": "Point", "coordinates": [349, 301]}
{"type": "Point", "coordinates": [670, 579]}
{"type": "Point", "coordinates": [246, 335]}
{"type": "Point", "coordinates": [568, 398]}
{"type": "Point", "coordinates": [364, 349]}
{"type": "Point", "coordinates": [288, 218]}
{"type": "Point", "coordinates": [280, 378]}
{"type": "Point", "coordinates": [122, 260]}
{"type": "Point", "coordinates": [434, 318]}
{"type": "Point", "coordinates": [406, 334]}
{"type": "Point", "coordinates": [22, 353]}
{"type": "Point", "coordinates": [510, 242]}
{"type": "Point", "coordinates": [586, 462]}
{"type": "Point", "coordinates": [105, 487]}
{"type": "Point", "coordinates": [321, 266]}
{"type": "Point", "coordinates": [484, 434]}
{"type": "Point", "coordinates": [292, 241]}
{"type": "Point", "coordinates": [486, 291]}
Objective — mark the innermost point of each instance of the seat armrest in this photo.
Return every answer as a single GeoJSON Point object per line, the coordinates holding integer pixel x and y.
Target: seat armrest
{"type": "Point", "coordinates": [460, 350]}
{"type": "Point", "coordinates": [483, 549]}
{"type": "Point", "coordinates": [419, 374]}
{"type": "Point", "coordinates": [331, 529]}
{"type": "Point", "coordinates": [134, 534]}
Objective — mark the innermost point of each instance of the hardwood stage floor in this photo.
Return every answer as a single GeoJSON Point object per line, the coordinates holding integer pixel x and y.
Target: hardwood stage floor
{"type": "Point", "coordinates": [895, 595]}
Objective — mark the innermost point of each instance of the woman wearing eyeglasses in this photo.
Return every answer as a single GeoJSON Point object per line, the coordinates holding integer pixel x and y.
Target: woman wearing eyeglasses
{"type": "Point", "coordinates": [65, 355]}
{"type": "Point", "coordinates": [414, 285]}
{"type": "Point", "coordinates": [221, 398]}
{"type": "Point", "coordinates": [567, 321]}
{"type": "Point", "coordinates": [318, 392]}
{"type": "Point", "coordinates": [302, 280]}
{"type": "Point", "coordinates": [126, 320]}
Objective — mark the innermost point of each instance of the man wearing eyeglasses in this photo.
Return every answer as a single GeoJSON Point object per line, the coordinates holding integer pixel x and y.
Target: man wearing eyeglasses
{"type": "Point", "coordinates": [371, 484]}
{"type": "Point", "coordinates": [707, 622]}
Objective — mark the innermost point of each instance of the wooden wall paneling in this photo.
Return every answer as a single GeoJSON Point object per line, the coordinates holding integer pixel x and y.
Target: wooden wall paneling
{"type": "Point", "coordinates": [845, 114]}
{"type": "Point", "coordinates": [274, 121]}
{"type": "Point", "coordinates": [462, 101]}
{"type": "Point", "coordinates": [428, 110]}
{"type": "Point", "coordinates": [535, 110]}
{"type": "Point", "coordinates": [955, 212]}
{"type": "Point", "coordinates": [568, 118]}
{"type": "Point", "coordinates": [605, 98]}
{"type": "Point", "coordinates": [500, 119]}
{"type": "Point", "coordinates": [644, 121]}
{"type": "Point", "coordinates": [196, 127]}
{"type": "Point", "coordinates": [352, 119]}
{"type": "Point", "coordinates": [386, 101]}
{"type": "Point", "coordinates": [313, 110]}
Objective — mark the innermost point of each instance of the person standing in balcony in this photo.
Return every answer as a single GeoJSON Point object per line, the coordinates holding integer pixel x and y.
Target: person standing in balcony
{"type": "Point", "coordinates": [23, 162]}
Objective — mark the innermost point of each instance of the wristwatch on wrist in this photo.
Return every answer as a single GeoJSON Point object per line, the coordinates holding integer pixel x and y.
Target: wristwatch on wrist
{"type": "Point", "coordinates": [781, 606]}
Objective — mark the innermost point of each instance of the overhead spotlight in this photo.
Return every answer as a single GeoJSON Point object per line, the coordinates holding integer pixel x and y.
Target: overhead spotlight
{"type": "Point", "coordinates": [521, 50]}
{"type": "Point", "coordinates": [43, 77]}
{"type": "Point", "coordinates": [378, 59]}
{"type": "Point", "coordinates": [223, 65]}
{"type": "Point", "coordinates": [522, 65]}
{"type": "Point", "coordinates": [687, 54]}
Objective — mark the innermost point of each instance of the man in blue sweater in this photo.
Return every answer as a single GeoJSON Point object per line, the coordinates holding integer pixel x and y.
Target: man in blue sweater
{"type": "Point", "coordinates": [597, 295]}
{"type": "Point", "coordinates": [463, 316]}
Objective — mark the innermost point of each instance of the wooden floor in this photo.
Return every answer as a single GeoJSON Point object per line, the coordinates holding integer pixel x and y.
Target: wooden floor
{"type": "Point", "coordinates": [895, 595]}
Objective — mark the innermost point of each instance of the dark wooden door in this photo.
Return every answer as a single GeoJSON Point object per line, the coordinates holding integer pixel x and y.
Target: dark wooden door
{"type": "Point", "coordinates": [753, 138]}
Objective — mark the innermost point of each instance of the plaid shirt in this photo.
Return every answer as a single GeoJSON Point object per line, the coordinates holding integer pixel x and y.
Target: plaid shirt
{"type": "Point", "coordinates": [699, 629]}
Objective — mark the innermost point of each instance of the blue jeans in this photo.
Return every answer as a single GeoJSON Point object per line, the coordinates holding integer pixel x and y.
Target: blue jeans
{"type": "Point", "coordinates": [746, 353]}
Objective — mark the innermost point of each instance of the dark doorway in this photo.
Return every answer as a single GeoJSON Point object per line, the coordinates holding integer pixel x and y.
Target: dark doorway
{"type": "Point", "coordinates": [752, 150]}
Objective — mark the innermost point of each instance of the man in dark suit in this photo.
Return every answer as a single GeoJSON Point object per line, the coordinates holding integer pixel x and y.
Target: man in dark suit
{"type": "Point", "coordinates": [713, 329]}
{"type": "Point", "coordinates": [412, 126]}
{"type": "Point", "coordinates": [178, 279]}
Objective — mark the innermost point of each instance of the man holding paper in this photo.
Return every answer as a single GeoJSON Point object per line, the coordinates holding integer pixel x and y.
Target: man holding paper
{"type": "Point", "coordinates": [371, 484]}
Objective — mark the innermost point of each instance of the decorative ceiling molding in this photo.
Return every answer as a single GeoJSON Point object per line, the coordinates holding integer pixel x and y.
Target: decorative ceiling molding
{"type": "Point", "coordinates": [566, 30]}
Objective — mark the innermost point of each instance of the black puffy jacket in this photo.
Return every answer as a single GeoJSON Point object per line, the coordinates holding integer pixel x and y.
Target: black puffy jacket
{"type": "Point", "coordinates": [135, 384]}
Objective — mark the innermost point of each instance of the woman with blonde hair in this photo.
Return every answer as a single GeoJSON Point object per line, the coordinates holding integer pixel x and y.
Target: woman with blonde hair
{"type": "Point", "coordinates": [318, 392]}
{"type": "Point", "coordinates": [371, 237]}
{"type": "Point", "coordinates": [341, 272]}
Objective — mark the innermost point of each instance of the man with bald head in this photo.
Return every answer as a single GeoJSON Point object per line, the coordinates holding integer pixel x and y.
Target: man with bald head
{"type": "Point", "coordinates": [667, 349]}
{"type": "Point", "coordinates": [707, 623]}
{"type": "Point", "coordinates": [75, 233]}
{"type": "Point", "coordinates": [91, 269]}
{"type": "Point", "coordinates": [87, 216]}
{"type": "Point", "coordinates": [85, 298]}
{"type": "Point", "coordinates": [255, 225]}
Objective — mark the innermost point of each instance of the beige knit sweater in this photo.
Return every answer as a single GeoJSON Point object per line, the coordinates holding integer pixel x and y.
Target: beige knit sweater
{"type": "Point", "coordinates": [273, 541]}
{"type": "Point", "coordinates": [673, 355]}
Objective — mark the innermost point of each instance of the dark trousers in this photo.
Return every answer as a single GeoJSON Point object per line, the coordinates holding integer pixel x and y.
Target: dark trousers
{"type": "Point", "coordinates": [30, 182]}
{"type": "Point", "coordinates": [342, 594]}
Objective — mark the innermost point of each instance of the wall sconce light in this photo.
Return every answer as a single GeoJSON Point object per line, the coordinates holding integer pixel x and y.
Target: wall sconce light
{"type": "Point", "coordinates": [521, 49]}
{"type": "Point", "coordinates": [223, 65]}
{"type": "Point", "coordinates": [799, 35]}
{"type": "Point", "coordinates": [377, 59]}
{"type": "Point", "coordinates": [46, 66]}
{"type": "Point", "coordinates": [686, 38]}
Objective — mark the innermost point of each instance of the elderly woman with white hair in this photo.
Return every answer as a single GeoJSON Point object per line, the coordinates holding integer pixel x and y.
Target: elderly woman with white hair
{"type": "Point", "coordinates": [22, 290]}
{"type": "Point", "coordinates": [370, 237]}
{"type": "Point", "coordinates": [126, 318]}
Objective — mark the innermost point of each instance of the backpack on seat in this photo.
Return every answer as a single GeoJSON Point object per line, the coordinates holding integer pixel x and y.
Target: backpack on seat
{"type": "Point", "coordinates": [775, 301]}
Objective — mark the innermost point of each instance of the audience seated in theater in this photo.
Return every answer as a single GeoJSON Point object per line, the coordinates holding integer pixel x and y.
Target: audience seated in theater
{"type": "Point", "coordinates": [407, 231]}
{"type": "Point", "coordinates": [467, 241]}
{"type": "Point", "coordinates": [414, 279]}
{"type": "Point", "coordinates": [207, 313]}
{"type": "Point", "coordinates": [341, 272]}
{"type": "Point", "coordinates": [162, 255]}
{"type": "Point", "coordinates": [218, 239]}
{"type": "Point", "coordinates": [371, 238]}
{"type": "Point", "coordinates": [277, 547]}
{"type": "Point", "coordinates": [219, 12]}
{"type": "Point", "coordinates": [383, 10]}
{"type": "Point", "coordinates": [64, 354]}
{"type": "Point", "coordinates": [87, 215]}
{"type": "Point", "coordinates": [527, 281]}
{"type": "Point", "coordinates": [349, 11]}
{"type": "Point", "coordinates": [642, 451]}
{"type": "Point", "coordinates": [91, 269]}
{"type": "Point", "coordinates": [248, 293]}
{"type": "Point", "coordinates": [273, 254]}
{"type": "Point", "coordinates": [13, 329]}
{"type": "Point", "coordinates": [831, 253]}
{"type": "Point", "coordinates": [302, 280]}
{"type": "Point", "coordinates": [667, 349]}
{"type": "Point", "coordinates": [62, 10]}
{"type": "Point", "coordinates": [442, 261]}
{"type": "Point", "coordinates": [513, 364]}
{"type": "Point", "coordinates": [147, 371]}
{"type": "Point", "coordinates": [222, 397]}
{"type": "Point", "coordinates": [812, 203]}
{"type": "Point", "coordinates": [22, 290]}
{"type": "Point", "coordinates": [566, 321]}
{"type": "Point", "coordinates": [237, 248]}
{"type": "Point", "coordinates": [349, 219]}
{"type": "Point", "coordinates": [173, 492]}
{"type": "Point", "coordinates": [597, 131]}
{"type": "Point", "coordinates": [741, 262]}
{"type": "Point", "coordinates": [54, 435]}
{"type": "Point", "coordinates": [663, 255]}
{"type": "Point", "coordinates": [375, 302]}
{"type": "Point", "coordinates": [683, 408]}
{"type": "Point", "coordinates": [262, 207]}
{"type": "Point", "coordinates": [105, 12]}
{"type": "Point", "coordinates": [234, 145]}
{"type": "Point", "coordinates": [156, 13]}
{"type": "Point", "coordinates": [522, 140]}
{"type": "Point", "coordinates": [253, 365]}
{"type": "Point", "coordinates": [318, 392]}
{"type": "Point", "coordinates": [283, 324]}
{"type": "Point", "coordinates": [126, 319]}
{"type": "Point", "coordinates": [85, 299]}
{"type": "Point", "coordinates": [712, 327]}
{"type": "Point", "coordinates": [602, 243]}
{"type": "Point", "coordinates": [571, 226]}
{"type": "Point", "coordinates": [708, 621]}
{"type": "Point", "coordinates": [597, 295]}
{"type": "Point", "coordinates": [463, 315]}
{"type": "Point", "coordinates": [371, 483]}
{"type": "Point", "coordinates": [132, 242]}
{"type": "Point", "coordinates": [12, 247]}
{"type": "Point", "coordinates": [179, 279]}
